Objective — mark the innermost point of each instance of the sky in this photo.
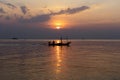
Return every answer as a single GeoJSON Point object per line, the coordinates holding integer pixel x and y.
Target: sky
{"type": "Point", "coordinates": [47, 19]}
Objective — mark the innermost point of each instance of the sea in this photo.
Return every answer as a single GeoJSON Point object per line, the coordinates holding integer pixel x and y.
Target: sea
{"type": "Point", "coordinates": [33, 59]}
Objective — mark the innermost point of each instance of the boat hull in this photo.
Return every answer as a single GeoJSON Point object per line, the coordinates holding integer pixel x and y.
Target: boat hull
{"type": "Point", "coordinates": [59, 44]}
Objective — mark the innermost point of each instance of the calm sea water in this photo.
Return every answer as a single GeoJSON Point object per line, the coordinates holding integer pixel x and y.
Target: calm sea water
{"type": "Point", "coordinates": [83, 60]}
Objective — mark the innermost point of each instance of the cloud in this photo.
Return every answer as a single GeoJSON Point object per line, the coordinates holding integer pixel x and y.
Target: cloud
{"type": "Point", "coordinates": [26, 17]}
{"type": "Point", "coordinates": [24, 9]}
{"type": "Point", "coordinates": [10, 5]}
{"type": "Point", "coordinates": [2, 10]}
{"type": "Point", "coordinates": [39, 18]}
{"type": "Point", "coordinates": [70, 11]}
{"type": "Point", "coordinates": [47, 17]}
{"type": "Point", "coordinates": [10, 11]}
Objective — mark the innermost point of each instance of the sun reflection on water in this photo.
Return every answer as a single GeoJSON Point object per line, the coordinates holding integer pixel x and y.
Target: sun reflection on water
{"type": "Point", "coordinates": [59, 60]}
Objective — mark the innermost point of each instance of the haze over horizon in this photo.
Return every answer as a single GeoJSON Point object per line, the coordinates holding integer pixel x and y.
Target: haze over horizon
{"type": "Point", "coordinates": [97, 19]}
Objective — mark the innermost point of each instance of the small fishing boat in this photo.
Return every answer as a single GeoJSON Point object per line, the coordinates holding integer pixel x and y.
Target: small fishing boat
{"type": "Point", "coordinates": [61, 43]}
{"type": "Point", "coordinates": [14, 38]}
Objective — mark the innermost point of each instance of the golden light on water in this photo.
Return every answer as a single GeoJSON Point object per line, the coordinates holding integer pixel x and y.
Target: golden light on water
{"type": "Point", "coordinates": [59, 60]}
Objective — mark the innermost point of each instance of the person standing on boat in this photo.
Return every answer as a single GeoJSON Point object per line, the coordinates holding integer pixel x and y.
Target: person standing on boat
{"type": "Point", "coordinates": [53, 42]}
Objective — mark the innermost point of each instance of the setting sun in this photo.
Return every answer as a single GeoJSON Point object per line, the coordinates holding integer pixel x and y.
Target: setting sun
{"type": "Point", "coordinates": [58, 25]}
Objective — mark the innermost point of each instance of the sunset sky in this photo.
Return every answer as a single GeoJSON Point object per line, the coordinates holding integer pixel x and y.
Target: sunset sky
{"type": "Point", "coordinates": [90, 19]}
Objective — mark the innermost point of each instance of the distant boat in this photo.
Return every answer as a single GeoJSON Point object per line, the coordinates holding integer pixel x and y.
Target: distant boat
{"type": "Point", "coordinates": [14, 38]}
{"type": "Point", "coordinates": [61, 43]}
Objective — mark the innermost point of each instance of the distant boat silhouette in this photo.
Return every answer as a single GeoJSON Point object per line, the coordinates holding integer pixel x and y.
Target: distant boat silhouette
{"type": "Point", "coordinates": [14, 38]}
{"type": "Point", "coordinates": [61, 43]}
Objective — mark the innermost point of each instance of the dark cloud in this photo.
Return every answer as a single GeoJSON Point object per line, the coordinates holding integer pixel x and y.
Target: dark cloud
{"type": "Point", "coordinates": [47, 17]}
{"type": "Point", "coordinates": [39, 18]}
{"type": "Point", "coordinates": [24, 9]}
{"type": "Point", "coordinates": [10, 5]}
{"type": "Point", "coordinates": [71, 10]}
{"type": "Point", "coordinates": [2, 10]}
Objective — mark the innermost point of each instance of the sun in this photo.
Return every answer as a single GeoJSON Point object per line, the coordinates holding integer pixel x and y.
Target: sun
{"type": "Point", "coordinates": [58, 25]}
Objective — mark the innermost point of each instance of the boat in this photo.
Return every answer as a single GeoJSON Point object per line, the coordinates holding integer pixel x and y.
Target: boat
{"type": "Point", "coordinates": [61, 43]}
{"type": "Point", "coordinates": [14, 38]}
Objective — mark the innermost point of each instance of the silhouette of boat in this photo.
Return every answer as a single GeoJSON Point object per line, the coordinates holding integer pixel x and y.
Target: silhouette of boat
{"type": "Point", "coordinates": [14, 38]}
{"type": "Point", "coordinates": [61, 43]}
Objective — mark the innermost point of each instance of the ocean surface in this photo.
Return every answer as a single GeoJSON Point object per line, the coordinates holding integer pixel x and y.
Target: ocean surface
{"type": "Point", "coordinates": [82, 60]}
